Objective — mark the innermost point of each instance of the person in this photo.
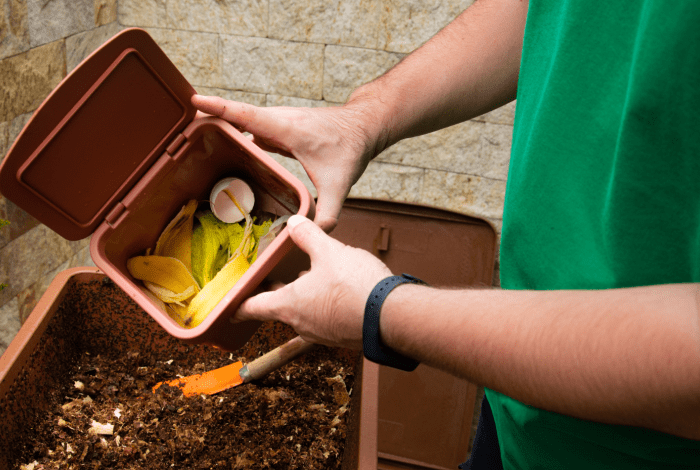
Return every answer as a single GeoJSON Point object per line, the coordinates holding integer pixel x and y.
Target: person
{"type": "Point", "coordinates": [590, 351]}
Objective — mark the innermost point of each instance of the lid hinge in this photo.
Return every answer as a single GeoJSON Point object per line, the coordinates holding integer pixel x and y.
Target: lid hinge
{"type": "Point", "coordinates": [114, 214]}
{"type": "Point", "coordinates": [175, 145]}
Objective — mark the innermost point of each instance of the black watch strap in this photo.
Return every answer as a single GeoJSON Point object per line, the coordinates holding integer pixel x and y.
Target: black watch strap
{"type": "Point", "coordinates": [372, 345]}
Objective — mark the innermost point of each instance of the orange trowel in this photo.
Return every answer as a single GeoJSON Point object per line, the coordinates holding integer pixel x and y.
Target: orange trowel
{"type": "Point", "coordinates": [223, 378]}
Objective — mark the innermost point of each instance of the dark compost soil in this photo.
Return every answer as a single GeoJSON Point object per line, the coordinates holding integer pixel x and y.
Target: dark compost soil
{"type": "Point", "coordinates": [295, 418]}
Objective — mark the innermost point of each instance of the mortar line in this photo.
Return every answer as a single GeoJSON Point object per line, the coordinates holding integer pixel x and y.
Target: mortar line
{"type": "Point", "coordinates": [440, 170]}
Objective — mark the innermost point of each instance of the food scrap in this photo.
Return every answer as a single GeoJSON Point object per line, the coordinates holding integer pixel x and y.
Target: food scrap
{"type": "Point", "coordinates": [199, 257]}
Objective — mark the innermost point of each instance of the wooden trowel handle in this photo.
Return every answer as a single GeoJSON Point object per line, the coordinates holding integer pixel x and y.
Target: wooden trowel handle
{"type": "Point", "coordinates": [275, 359]}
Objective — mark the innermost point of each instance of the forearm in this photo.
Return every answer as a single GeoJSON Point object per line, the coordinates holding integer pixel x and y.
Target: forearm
{"type": "Point", "coordinates": [467, 69]}
{"type": "Point", "coordinates": [623, 356]}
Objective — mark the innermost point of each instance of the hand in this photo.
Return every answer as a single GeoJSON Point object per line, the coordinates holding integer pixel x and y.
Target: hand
{"type": "Point", "coordinates": [333, 144]}
{"type": "Point", "coordinates": [326, 304]}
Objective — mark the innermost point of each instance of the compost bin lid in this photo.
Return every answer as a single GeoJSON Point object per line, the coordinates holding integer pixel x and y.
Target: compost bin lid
{"type": "Point", "coordinates": [97, 134]}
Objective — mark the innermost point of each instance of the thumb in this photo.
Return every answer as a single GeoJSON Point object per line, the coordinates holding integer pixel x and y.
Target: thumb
{"type": "Point", "coordinates": [308, 236]}
{"type": "Point", "coordinates": [262, 307]}
{"type": "Point", "coordinates": [328, 207]}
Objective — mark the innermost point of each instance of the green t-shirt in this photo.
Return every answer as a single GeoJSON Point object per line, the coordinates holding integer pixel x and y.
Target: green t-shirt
{"type": "Point", "coordinates": [603, 192]}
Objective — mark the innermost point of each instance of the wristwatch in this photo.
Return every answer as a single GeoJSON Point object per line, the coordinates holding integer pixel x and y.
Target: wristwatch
{"type": "Point", "coordinates": [373, 347]}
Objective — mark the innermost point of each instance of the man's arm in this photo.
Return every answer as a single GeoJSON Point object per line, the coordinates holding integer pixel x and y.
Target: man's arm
{"type": "Point", "coordinates": [620, 356]}
{"type": "Point", "coordinates": [467, 69]}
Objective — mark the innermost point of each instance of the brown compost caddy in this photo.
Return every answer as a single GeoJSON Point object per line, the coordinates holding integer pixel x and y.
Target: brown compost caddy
{"type": "Point", "coordinates": [115, 151]}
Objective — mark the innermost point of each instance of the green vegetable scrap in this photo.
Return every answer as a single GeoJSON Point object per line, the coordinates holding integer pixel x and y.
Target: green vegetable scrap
{"type": "Point", "coordinates": [191, 254]}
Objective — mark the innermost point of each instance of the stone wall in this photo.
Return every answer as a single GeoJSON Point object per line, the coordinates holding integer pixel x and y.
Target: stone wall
{"type": "Point", "coordinates": [40, 42]}
{"type": "Point", "coordinates": [264, 52]}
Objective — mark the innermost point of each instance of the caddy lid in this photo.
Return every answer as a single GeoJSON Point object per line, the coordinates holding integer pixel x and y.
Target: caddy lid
{"type": "Point", "coordinates": [96, 134]}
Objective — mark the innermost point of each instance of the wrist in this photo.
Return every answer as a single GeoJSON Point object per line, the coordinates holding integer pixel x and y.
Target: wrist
{"type": "Point", "coordinates": [372, 108]}
{"type": "Point", "coordinates": [397, 315]}
{"type": "Point", "coordinates": [375, 346]}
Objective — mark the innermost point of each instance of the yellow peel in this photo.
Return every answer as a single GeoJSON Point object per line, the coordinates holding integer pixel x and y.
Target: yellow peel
{"type": "Point", "coordinates": [177, 313]}
{"type": "Point", "coordinates": [153, 298]}
{"type": "Point", "coordinates": [235, 202]}
{"type": "Point", "coordinates": [205, 301]}
{"type": "Point", "coordinates": [176, 239]}
{"type": "Point", "coordinates": [170, 273]}
{"type": "Point", "coordinates": [168, 296]}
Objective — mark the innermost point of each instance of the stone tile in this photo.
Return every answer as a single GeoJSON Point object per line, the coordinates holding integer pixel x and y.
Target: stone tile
{"type": "Point", "coordinates": [291, 101]}
{"type": "Point", "coordinates": [346, 68]}
{"type": "Point", "coordinates": [105, 12]}
{"type": "Point", "coordinates": [9, 323]}
{"type": "Point", "coordinates": [503, 115]}
{"type": "Point", "coordinates": [29, 297]}
{"type": "Point", "coordinates": [57, 19]}
{"type": "Point", "coordinates": [467, 194]}
{"type": "Point", "coordinates": [345, 22]}
{"type": "Point", "coordinates": [239, 17]}
{"type": "Point", "coordinates": [14, 27]}
{"type": "Point", "coordinates": [455, 148]}
{"type": "Point", "coordinates": [26, 79]}
{"type": "Point", "coordinates": [143, 13]}
{"type": "Point", "coordinates": [269, 66]}
{"type": "Point", "coordinates": [390, 182]}
{"type": "Point", "coordinates": [80, 258]}
{"type": "Point", "coordinates": [256, 99]}
{"type": "Point", "coordinates": [474, 148]}
{"type": "Point", "coordinates": [407, 24]}
{"type": "Point", "coordinates": [28, 258]}
{"type": "Point", "coordinates": [9, 131]}
{"type": "Point", "coordinates": [81, 45]}
{"type": "Point", "coordinates": [494, 154]}
{"type": "Point", "coordinates": [5, 142]}
{"type": "Point", "coordinates": [196, 55]}
{"type": "Point", "coordinates": [20, 221]}
{"type": "Point", "coordinates": [26, 301]}
{"type": "Point", "coordinates": [4, 229]}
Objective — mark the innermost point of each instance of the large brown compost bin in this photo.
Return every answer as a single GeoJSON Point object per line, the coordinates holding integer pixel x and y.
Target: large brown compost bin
{"type": "Point", "coordinates": [399, 420]}
{"type": "Point", "coordinates": [115, 151]}
{"type": "Point", "coordinates": [105, 321]}
{"type": "Point", "coordinates": [425, 416]}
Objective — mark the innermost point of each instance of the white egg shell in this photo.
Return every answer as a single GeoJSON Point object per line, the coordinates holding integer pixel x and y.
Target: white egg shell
{"type": "Point", "coordinates": [223, 207]}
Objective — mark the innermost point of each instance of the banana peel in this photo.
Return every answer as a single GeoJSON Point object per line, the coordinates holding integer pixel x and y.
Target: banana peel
{"type": "Point", "coordinates": [198, 259]}
{"type": "Point", "coordinates": [176, 239]}
{"type": "Point", "coordinates": [211, 242]}
{"type": "Point", "coordinates": [170, 273]}
{"type": "Point", "coordinates": [205, 301]}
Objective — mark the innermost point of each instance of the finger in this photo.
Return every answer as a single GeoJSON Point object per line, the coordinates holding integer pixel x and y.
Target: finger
{"type": "Point", "coordinates": [239, 114]}
{"type": "Point", "coordinates": [266, 286]}
{"type": "Point", "coordinates": [309, 237]}
{"type": "Point", "coordinates": [328, 207]}
{"type": "Point", "coordinates": [261, 307]}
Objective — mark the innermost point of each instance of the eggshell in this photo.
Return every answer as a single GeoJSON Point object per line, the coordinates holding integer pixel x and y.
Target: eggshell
{"type": "Point", "coordinates": [221, 204]}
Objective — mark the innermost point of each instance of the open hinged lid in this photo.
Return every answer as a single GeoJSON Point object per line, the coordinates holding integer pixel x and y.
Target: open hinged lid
{"type": "Point", "coordinates": [96, 135]}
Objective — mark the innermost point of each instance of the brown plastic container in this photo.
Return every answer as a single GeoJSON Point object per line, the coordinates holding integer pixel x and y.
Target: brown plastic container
{"type": "Point", "coordinates": [35, 363]}
{"type": "Point", "coordinates": [425, 416]}
{"type": "Point", "coordinates": [115, 150]}
{"type": "Point", "coordinates": [400, 420]}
